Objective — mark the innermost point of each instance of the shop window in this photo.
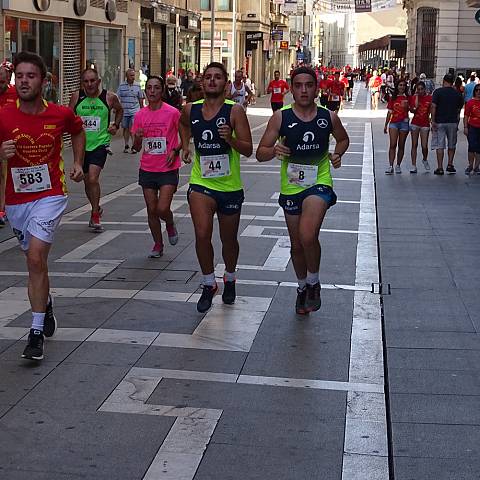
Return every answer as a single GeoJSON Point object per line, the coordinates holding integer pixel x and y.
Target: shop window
{"type": "Point", "coordinates": [104, 53]}
{"type": "Point", "coordinates": [205, 5]}
{"type": "Point", "coordinates": [223, 5]}
{"type": "Point", "coordinates": [40, 37]}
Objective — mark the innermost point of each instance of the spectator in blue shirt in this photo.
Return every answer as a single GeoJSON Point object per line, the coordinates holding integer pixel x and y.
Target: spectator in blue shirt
{"type": "Point", "coordinates": [131, 97]}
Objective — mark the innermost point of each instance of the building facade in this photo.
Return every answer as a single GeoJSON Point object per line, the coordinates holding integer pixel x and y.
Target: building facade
{"type": "Point", "coordinates": [249, 35]}
{"type": "Point", "coordinates": [443, 37]}
{"type": "Point", "coordinates": [104, 34]}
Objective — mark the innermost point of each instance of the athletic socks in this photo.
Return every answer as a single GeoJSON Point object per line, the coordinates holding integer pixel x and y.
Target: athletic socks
{"type": "Point", "coordinates": [312, 278]}
{"type": "Point", "coordinates": [209, 280]}
{"type": "Point", "coordinates": [38, 320]}
{"type": "Point", "coordinates": [229, 277]}
{"type": "Point", "coordinates": [302, 283]}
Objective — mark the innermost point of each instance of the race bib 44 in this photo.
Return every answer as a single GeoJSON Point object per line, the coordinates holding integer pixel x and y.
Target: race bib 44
{"type": "Point", "coordinates": [214, 166]}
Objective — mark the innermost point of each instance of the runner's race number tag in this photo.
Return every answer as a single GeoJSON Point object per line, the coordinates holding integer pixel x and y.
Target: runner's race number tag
{"type": "Point", "coordinates": [335, 98]}
{"type": "Point", "coordinates": [277, 90]}
{"type": "Point", "coordinates": [31, 179]}
{"type": "Point", "coordinates": [214, 166]}
{"type": "Point", "coordinates": [302, 175]}
{"type": "Point", "coordinates": [91, 124]}
{"type": "Point", "coordinates": [155, 145]}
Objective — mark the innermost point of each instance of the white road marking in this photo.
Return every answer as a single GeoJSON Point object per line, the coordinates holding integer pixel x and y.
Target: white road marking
{"type": "Point", "coordinates": [365, 445]}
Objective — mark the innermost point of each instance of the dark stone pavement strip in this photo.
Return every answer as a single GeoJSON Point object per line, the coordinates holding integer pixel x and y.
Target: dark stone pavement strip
{"type": "Point", "coordinates": [426, 224]}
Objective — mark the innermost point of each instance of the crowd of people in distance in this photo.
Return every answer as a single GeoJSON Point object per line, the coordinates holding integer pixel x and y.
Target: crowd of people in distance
{"type": "Point", "coordinates": [435, 110]}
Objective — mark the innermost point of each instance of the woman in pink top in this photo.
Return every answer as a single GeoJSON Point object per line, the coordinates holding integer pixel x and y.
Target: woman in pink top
{"type": "Point", "coordinates": [155, 130]}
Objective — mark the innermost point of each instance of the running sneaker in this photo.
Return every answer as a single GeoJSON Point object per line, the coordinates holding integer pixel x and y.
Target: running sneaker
{"type": "Point", "coordinates": [126, 149]}
{"type": "Point", "coordinates": [313, 301]}
{"type": "Point", "coordinates": [389, 171]}
{"type": "Point", "coordinates": [172, 234]}
{"type": "Point", "coordinates": [50, 325]}
{"type": "Point", "coordinates": [228, 295]}
{"type": "Point", "coordinates": [300, 303]}
{"type": "Point", "coordinates": [34, 348]}
{"type": "Point", "coordinates": [133, 151]}
{"type": "Point", "coordinates": [157, 251]}
{"type": "Point", "coordinates": [3, 219]}
{"type": "Point", "coordinates": [468, 170]}
{"type": "Point", "coordinates": [438, 171]}
{"type": "Point", "coordinates": [426, 165]}
{"type": "Point", "coordinates": [476, 171]}
{"type": "Point", "coordinates": [398, 169]}
{"type": "Point", "coordinates": [95, 222]}
{"type": "Point", "coordinates": [205, 301]}
{"type": "Point", "coordinates": [451, 169]}
{"type": "Point", "coordinates": [413, 169]}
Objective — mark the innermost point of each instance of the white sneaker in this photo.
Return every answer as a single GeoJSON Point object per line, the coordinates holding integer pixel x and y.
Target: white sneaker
{"type": "Point", "coordinates": [398, 169]}
{"type": "Point", "coordinates": [413, 169]}
{"type": "Point", "coordinates": [426, 165]}
{"type": "Point", "coordinates": [389, 171]}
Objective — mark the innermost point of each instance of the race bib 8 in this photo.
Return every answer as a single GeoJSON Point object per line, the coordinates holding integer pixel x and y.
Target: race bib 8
{"type": "Point", "coordinates": [214, 166]}
{"type": "Point", "coordinates": [302, 175]}
{"type": "Point", "coordinates": [91, 123]}
{"type": "Point", "coordinates": [31, 179]}
{"type": "Point", "coordinates": [155, 145]}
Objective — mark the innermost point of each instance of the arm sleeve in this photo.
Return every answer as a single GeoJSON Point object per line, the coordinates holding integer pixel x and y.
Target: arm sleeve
{"type": "Point", "coordinates": [468, 109]}
{"type": "Point", "coordinates": [435, 97]}
{"type": "Point", "coordinates": [390, 105]}
{"type": "Point", "coordinates": [73, 123]}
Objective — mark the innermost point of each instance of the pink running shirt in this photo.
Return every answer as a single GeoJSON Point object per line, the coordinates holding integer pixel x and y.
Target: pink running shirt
{"type": "Point", "coordinates": [160, 137]}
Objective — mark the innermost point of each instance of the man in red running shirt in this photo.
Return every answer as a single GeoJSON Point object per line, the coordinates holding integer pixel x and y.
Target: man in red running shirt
{"type": "Point", "coordinates": [8, 94]}
{"type": "Point", "coordinates": [278, 88]}
{"type": "Point", "coordinates": [335, 93]}
{"type": "Point", "coordinates": [31, 132]}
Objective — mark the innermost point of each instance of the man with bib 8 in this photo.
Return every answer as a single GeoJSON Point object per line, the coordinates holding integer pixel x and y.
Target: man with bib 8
{"type": "Point", "coordinates": [31, 133]}
{"type": "Point", "coordinates": [306, 193]}
{"type": "Point", "coordinates": [221, 134]}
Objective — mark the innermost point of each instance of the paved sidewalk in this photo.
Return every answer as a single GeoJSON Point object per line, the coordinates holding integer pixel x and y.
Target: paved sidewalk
{"type": "Point", "coordinates": [137, 385]}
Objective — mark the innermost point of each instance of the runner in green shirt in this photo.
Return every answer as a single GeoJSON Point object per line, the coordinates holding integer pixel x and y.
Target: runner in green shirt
{"type": "Point", "coordinates": [94, 106]}
{"type": "Point", "coordinates": [221, 134]}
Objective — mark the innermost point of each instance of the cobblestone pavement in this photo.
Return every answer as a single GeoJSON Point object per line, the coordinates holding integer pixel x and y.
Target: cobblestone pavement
{"type": "Point", "coordinates": [137, 385]}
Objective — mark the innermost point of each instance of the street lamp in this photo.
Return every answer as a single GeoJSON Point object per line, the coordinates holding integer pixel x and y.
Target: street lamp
{"type": "Point", "coordinates": [212, 28]}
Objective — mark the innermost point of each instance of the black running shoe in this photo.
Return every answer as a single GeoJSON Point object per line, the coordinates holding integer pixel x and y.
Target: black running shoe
{"type": "Point", "coordinates": [300, 303]}
{"type": "Point", "coordinates": [451, 169]}
{"type": "Point", "coordinates": [228, 295]}
{"type": "Point", "coordinates": [205, 301]}
{"type": "Point", "coordinates": [34, 348]}
{"type": "Point", "coordinates": [313, 301]}
{"type": "Point", "coordinates": [50, 321]}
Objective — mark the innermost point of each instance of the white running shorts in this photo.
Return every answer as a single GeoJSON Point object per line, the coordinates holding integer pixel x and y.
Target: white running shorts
{"type": "Point", "coordinates": [38, 219]}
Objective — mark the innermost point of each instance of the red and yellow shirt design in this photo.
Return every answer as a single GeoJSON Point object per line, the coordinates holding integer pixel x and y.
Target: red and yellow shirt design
{"type": "Point", "coordinates": [472, 111]}
{"type": "Point", "coordinates": [398, 109]}
{"type": "Point", "coordinates": [37, 168]}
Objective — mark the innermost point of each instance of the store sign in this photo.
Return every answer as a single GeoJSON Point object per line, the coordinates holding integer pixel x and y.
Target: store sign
{"type": "Point", "coordinates": [363, 6]}
{"type": "Point", "coordinates": [163, 17]}
{"type": "Point", "coordinates": [277, 35]}
{"type": "Point", "coordinates": [192, 23]}
{"type": "Point", "coordinates": [290, 6]}
{"type": "Point", "coordinates": [80, 7]}
{"type": "Point", "coordinates": [111, 10]}
{"type": "Point", "coordinates": [41, 5]}
{"type": "Point", "coordinates": [216, 44]}
{"type": "Point", "coordinates": [255, 36]}
{"type": "Point", "coordinates": [284, 45]}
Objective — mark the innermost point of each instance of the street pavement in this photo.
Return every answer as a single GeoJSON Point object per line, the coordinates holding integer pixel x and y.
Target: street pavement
{"type": "Point", "coordinates": [381, 383]}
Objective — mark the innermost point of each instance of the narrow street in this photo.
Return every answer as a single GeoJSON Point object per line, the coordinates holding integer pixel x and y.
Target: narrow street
{"type": "Point", "coordinates": [382, 382]}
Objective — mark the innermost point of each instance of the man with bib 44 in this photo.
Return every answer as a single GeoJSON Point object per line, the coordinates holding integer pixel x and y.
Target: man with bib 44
{"type": "Point", "coordinates": [299, 135]}
{"type": "Point", "coordinates": [31, 132]}
{"type": "Point", "coordinates": [221, 134]}
{"type": "Point", "coordinates": [94, 106]}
